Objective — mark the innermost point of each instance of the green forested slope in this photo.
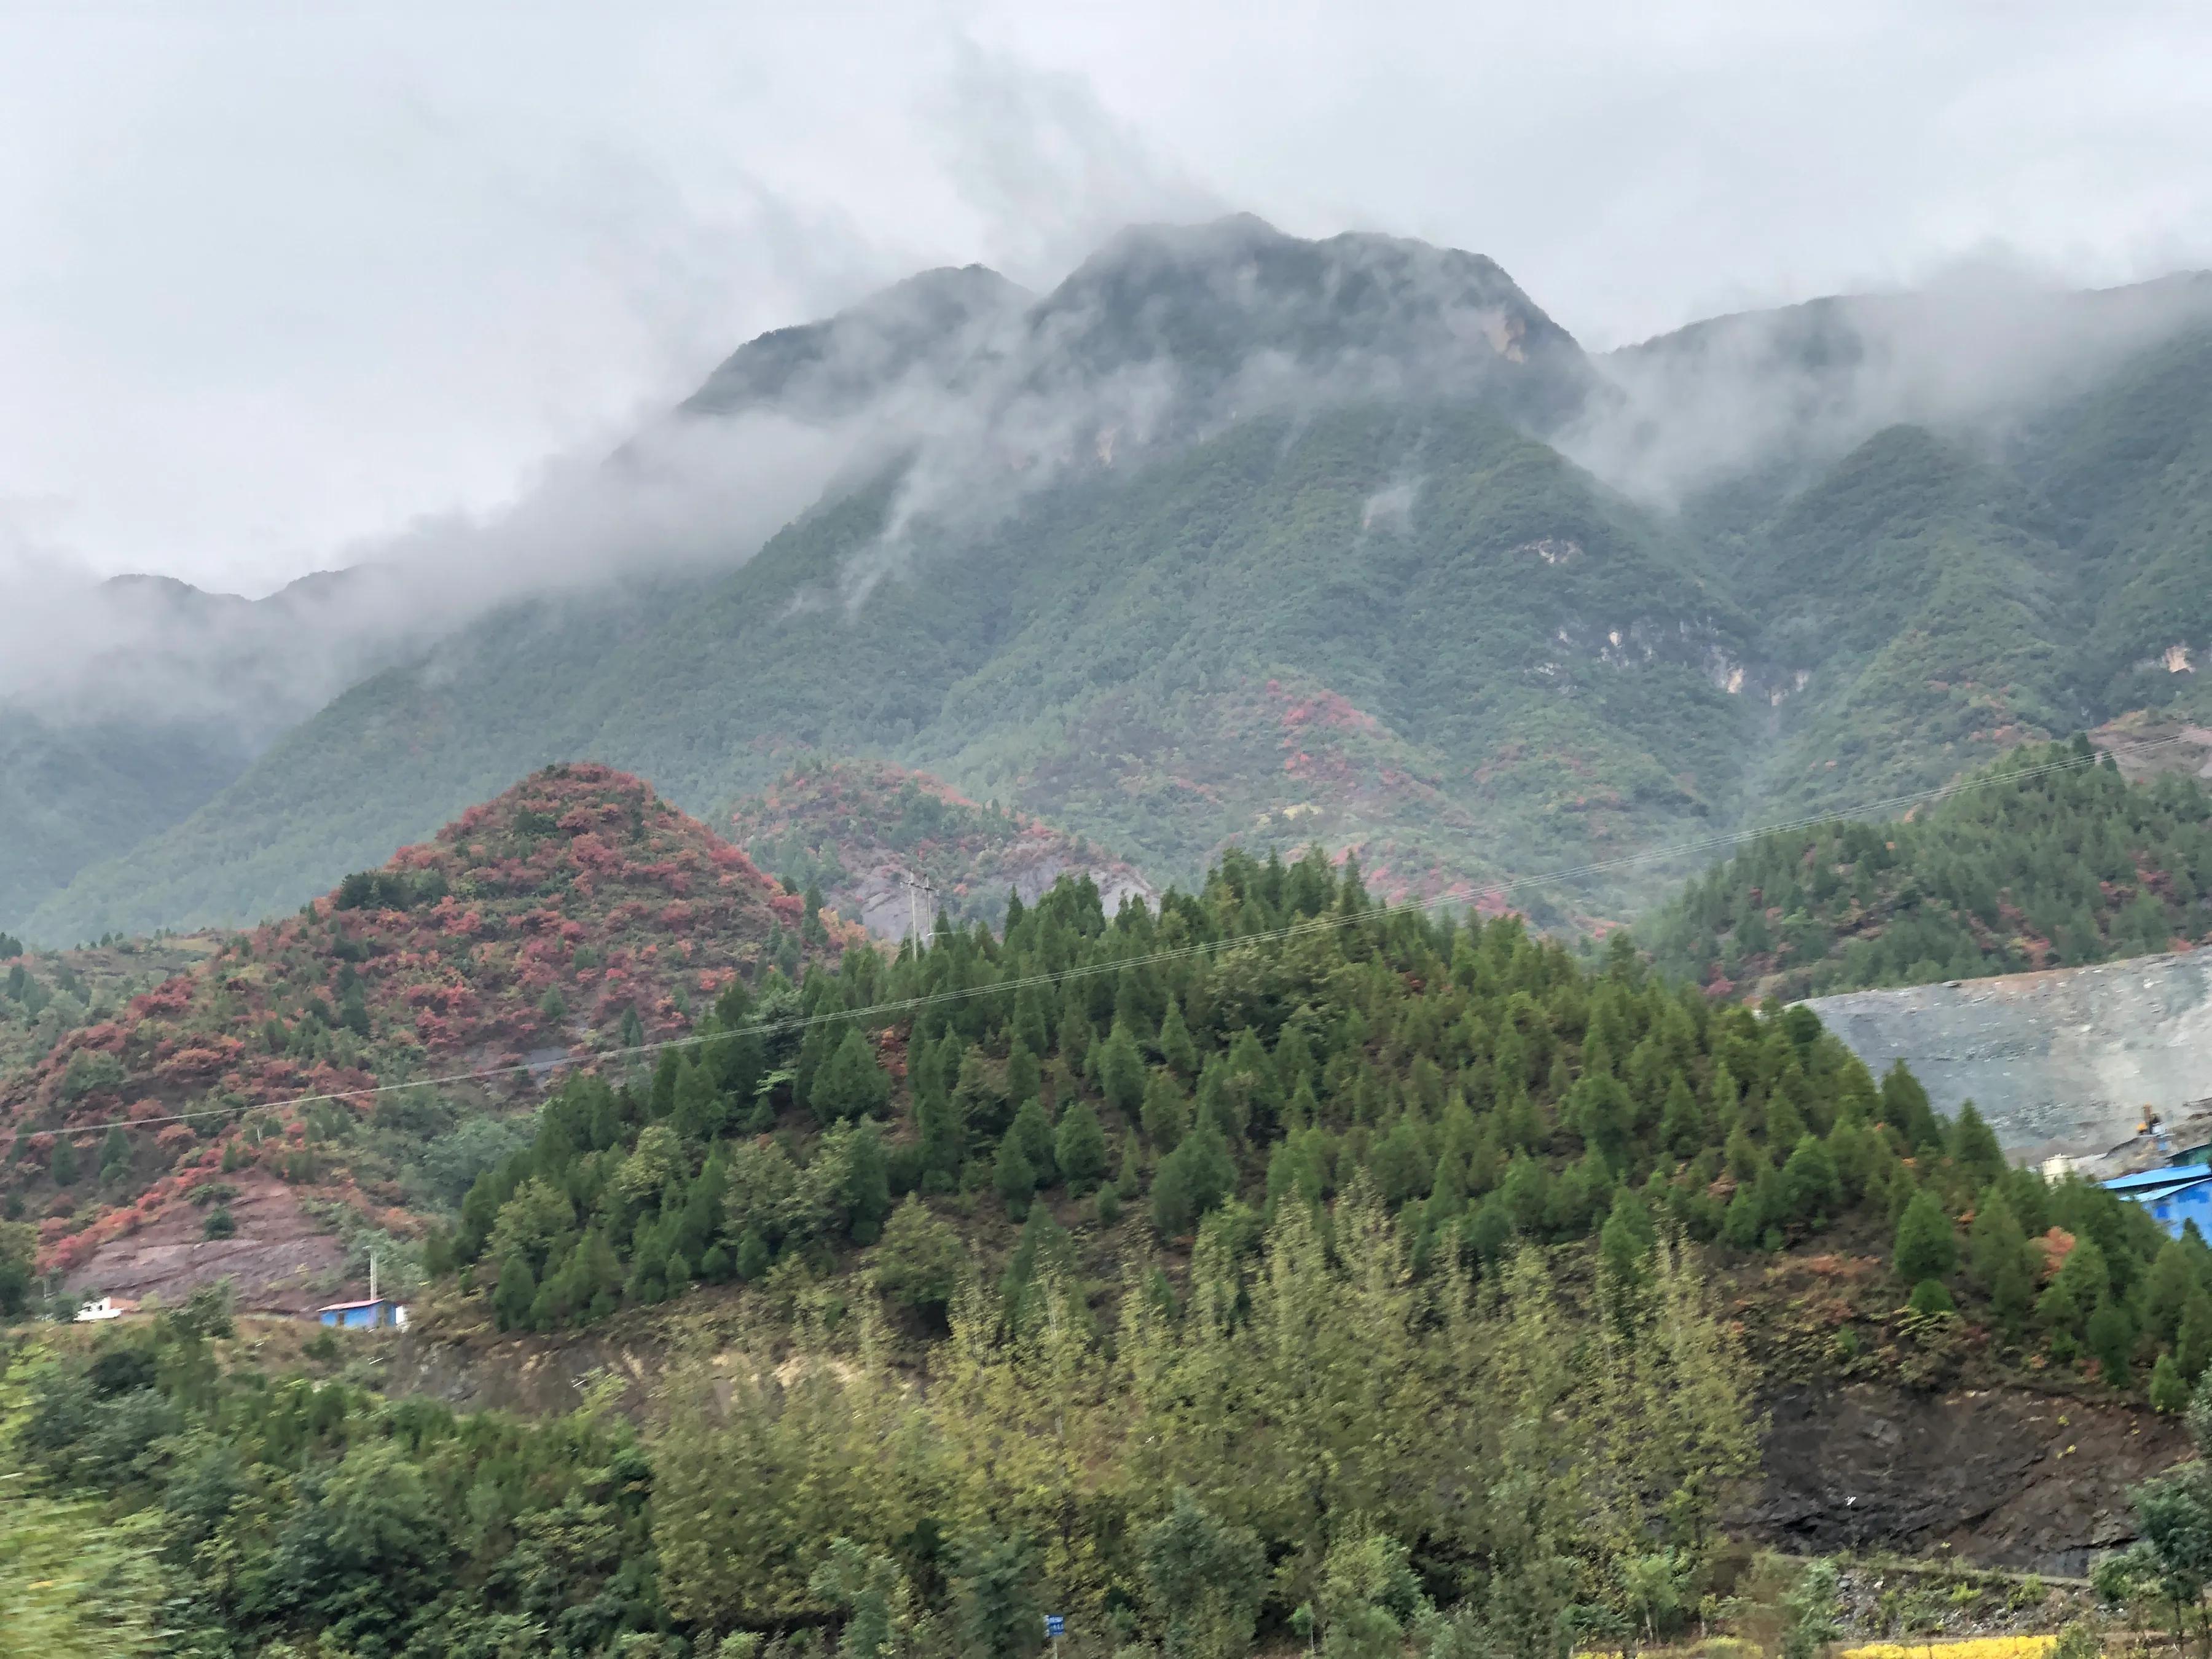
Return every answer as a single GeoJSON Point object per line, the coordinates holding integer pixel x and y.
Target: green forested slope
{"type": "Point", "coordinates": [2131, 470]}
{"type": "Point", "coordinates": [74, 793]}
{"type": "Point", "coordinates": [1415, 630]}
{"type": "Point", "coordinates": [1383, 622]}
{"type": "Point", "coordinates": [1364, 1278]}
{"type": "Point", "coordinates": [1919, 592]}
{"type": "Point", "coordinates": [2032, 866]}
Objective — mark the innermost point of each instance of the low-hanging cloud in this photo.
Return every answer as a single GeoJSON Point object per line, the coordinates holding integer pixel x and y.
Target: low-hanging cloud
{"type": "Point", "coordinates": [1170, 332]}
{"type": "Point", "coordinates": [681, 495]}
{"type": "Point", "coordinates": [981, 393]}
{"type": "Point", "coordinates": [1977, 351]}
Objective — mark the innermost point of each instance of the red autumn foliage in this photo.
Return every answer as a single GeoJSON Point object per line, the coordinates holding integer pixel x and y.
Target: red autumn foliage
{"type": "Point", "coordinates": [575, 859]}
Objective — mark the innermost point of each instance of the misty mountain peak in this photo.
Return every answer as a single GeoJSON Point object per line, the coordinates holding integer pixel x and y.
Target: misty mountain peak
{"type": "Point", "coordinates": [931, 324]}
{"type": "Point", "coordinates": [1358, 312]}
{"type": "Point", "coordinates": [1217, 317]}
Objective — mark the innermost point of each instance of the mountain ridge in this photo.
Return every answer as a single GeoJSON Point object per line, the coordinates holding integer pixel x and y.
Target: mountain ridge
{"type": "Point", "coordinates": [1094, 472]}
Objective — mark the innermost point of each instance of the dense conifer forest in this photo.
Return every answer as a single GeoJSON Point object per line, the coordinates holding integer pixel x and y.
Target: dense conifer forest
{"type": "Point", "coordinates": [2043, 861]}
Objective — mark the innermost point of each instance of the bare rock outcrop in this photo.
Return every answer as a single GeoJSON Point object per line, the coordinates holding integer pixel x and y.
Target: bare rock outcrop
{"type": "Point", "coordinates": [2064, 1060]}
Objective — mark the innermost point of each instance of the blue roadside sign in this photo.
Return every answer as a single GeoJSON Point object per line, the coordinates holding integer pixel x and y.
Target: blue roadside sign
{"type": "Point", "coordinates": [1055, 1626]}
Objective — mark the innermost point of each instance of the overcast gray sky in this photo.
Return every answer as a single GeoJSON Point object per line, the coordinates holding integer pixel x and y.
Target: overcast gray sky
{"type": "Point", "coordinates": [277, 280]}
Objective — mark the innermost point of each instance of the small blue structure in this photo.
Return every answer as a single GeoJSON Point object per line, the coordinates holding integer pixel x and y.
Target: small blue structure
{"type": "Point", "coordinates": [2177, 1194]}
{"type": "Point", "coordinates": [375, 1314]}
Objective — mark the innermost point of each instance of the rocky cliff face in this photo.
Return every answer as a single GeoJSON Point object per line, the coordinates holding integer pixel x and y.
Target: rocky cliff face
{"type": "Point", "coordinates": [2001, 1477]}
{"type": "Point", "coordinates": [2059, 1062]}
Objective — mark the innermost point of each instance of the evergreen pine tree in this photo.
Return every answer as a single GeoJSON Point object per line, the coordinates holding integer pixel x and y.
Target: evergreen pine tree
{"type": "Point", "coordinates": [944, 1132]}
{"type": "Point", "coordinates": [1080, 1148]}
{"type": "Point", "coordinates": [1025, 1078]}
{"type": "Point", "coordinates": [1905, 1108]}
{"type": "Point", "coordinates": [1175, 1211]}
{"type": "Point", "coordinates": [2192, 1348]}
{"type": "Point", "coordinates": [2166, 1290]}
{"type": "Point", "coordinates": [2109, 1338]}
{"type": "Point", "coordinates": [1013, 1175]}
{"type": "Point", "coordinates": [64, 1161]}
{"type": "Point", "coordinates": [1177, 1048]}
{"type": "Point", "coordinates": [996, 1578]}
{"type": "Point", "coordinates": [1974, 1146]}
{"type": "Point", "coordinates": [850, 1083]}
{"type": "Point", "coordinates": [1166, 1114]}
{"type": "Point", "coordinates": [1121, 1071]}
{"type": "Point", "coordinates": [1742, 1224]}
{"type": "Point", "coordinates": [2169, 1393]}
{"type": "Point", "coordinates": [698, 1111]}
{"type": "Point", "coordinates": [517, 1292]}
{"type": "Point", "coordinates": [867, 1183]}
{"type": "Point", "coordinates": [1627, 1236]}
{"type": "Point", "coordinates": [648, 1270]}
{"type": "Point", "coordinates": [2081, 1285]}
{"type": "Point", "coordinates": [1810, 1185]}
{"type": "Point", "coordinates": [1681, 1121]}
{"type": "Point", "coordinates": [1927, 1247]}
{"type": "Point", "coordinates": [1076, 1032]}
{"type": "Point", "coordinates": [1217, 1103]}
{"type": "Point", "coordinates": [660, 1102]}
{"type": "Point", "coordinates": [353, 1012]}
{"type": "Point", "coordinates": [1029, 1028]}
{"type": "Point", "coordinates": [1999, 1260]}
{"type": "Point", "coordinates": [597, 1274]}
{"type": "Point", "coordinates": [1035, 1130]}
{"type": "Point", "coordinates": [1724, 1104]}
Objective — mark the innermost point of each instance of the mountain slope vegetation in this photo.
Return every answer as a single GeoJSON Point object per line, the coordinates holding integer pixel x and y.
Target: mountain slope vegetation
{"type": "Point", "coordinates": [127, 704]}
{"type": "Point", "coordinates": [855, 832]}
{"type": "Point", "coordinates": [577, 911]}
{"type": "Point", "coordinates": [1235, 641]}
{"type": "Point", "coordinates": [1407, 1229]}
{"type": "Point", "coordinates": [74, 793]}
{"type": "Point", "coordinates": [1922, 602]}
{"type": "Point", "coordinates": [1233, 537]}
{"type": "Point", "coordinates": [2044, 861]}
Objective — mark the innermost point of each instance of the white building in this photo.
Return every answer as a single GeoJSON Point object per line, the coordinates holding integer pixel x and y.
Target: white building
{"type": "Point", "coordinates": [107, 1307]}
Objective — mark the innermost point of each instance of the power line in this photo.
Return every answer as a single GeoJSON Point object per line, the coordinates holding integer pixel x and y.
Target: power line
{"type": "Point", "coordinates": [1293, 930]}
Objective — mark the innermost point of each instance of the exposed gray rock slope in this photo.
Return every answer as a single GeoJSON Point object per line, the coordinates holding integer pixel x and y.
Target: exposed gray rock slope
{"type": "Point", "coordinates": [2060, 1061]}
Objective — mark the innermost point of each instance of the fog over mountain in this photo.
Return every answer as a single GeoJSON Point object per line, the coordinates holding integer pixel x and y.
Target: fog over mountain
{"type": "Point", "coordinates": [275, 290]}
{"type": "Point", "coordinates": [1864, 515]}
{"type": "Point", "coordinates": [1982, 351]}
{"type": "Point", "coordinates": [1167, 333]}
{"type": "Point", "coordinates": [1164, 333]}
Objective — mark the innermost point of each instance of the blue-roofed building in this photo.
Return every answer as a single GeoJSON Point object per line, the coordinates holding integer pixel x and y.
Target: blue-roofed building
{"type": "Point", "coordinates": [2175, 1195]}
{"type": "Point", "coordinates": [374, 1313]}
{"type": "Point", "coordinates": [378, 1313]}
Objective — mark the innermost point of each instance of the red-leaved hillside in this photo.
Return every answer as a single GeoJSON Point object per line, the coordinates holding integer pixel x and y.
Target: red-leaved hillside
{"type": "Point", "coordinates": [576, 913]}
{"type": "Point", "coordinates": [858, 829]}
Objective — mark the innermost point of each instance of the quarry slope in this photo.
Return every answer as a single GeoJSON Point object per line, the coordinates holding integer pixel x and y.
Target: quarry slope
{"type": "Point", "coordinates": [2064, 1060]}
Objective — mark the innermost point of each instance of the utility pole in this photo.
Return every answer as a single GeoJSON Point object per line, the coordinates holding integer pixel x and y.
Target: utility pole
{"type": "Point", "coordinates": [915, 887]}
